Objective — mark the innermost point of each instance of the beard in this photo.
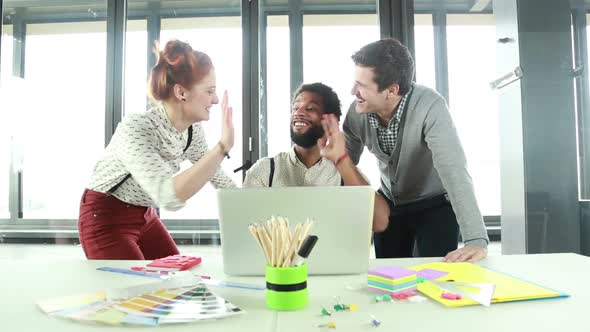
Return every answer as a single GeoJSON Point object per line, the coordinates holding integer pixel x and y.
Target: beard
{"type": "Point", "coordinates": [309, 138]}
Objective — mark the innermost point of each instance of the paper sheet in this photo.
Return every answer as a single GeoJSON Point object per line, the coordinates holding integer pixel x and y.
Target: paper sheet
{"type": "Point", "coordinates": [507, 288]}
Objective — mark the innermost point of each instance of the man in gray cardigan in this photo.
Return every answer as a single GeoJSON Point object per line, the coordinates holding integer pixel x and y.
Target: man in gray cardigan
{"type": "Point", "coordinates": [423, 168]}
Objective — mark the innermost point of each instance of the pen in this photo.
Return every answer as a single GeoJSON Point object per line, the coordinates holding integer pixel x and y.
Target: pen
{"type": "Point", "coordinates": [305, 249]}
{"type": "Point", "coordinates": [233, 284]}
{"type": "Point", "coordinates": [144, 269]}
{"type": "Point", "coordinates": [137, 273]}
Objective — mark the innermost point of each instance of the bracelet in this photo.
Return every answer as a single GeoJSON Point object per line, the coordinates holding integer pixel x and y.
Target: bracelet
{"type": "Point", "coordinates": [344, 156]}
{"type": "Point", "coordinates": [224, 150]}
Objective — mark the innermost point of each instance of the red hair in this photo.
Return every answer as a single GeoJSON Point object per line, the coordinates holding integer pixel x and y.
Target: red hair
{"type": "Point", "coordinates": [178, 63]}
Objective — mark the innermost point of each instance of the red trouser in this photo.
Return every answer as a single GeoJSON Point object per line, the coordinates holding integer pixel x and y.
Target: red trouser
{"type": "Point", "coordinates": [112, 229]}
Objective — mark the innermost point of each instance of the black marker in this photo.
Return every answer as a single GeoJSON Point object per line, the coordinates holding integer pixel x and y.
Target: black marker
{"type": "Point", "coordinates": [305, 250]}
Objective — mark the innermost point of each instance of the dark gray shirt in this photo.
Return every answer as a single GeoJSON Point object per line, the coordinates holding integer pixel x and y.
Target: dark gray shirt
{"type": "Point", "coordinates": [427, 159]}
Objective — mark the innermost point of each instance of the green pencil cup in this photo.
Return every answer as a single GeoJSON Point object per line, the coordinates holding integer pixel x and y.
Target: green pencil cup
{"type": "Point", "coordinates": [286, 287]}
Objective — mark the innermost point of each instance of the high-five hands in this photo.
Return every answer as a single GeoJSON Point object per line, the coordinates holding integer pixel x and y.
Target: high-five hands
{"type": "Point", "coordinates": [227, 125]}
{"type": "Point", "coordinates": [333, 144]}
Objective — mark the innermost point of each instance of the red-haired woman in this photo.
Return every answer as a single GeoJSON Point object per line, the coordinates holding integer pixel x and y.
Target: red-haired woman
{"type": "Point", "coordinates": [137, 171]}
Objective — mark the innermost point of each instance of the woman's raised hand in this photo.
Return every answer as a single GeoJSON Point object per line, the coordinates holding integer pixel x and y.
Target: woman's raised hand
{"type": "Point", "coordinates": [227, 124]}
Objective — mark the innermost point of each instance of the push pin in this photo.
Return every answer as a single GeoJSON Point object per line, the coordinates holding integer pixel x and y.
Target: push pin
{"type": "Point", "coordinates": [338, 306]}
{"type": "Point", "coordinates": [400, 296]}
{"type": "Point", "coordinates": [383, 298]}
{"type": "Point", "coordinates": [351, 307]}
{"type": "Point", "coordinates": [330, 325]}
{"type": "Point", "coordinates": [326, 312]}
{"type": "Point", "coordinates": [404, 296]}
{"type": "Point", "coordinates": [375, 322]}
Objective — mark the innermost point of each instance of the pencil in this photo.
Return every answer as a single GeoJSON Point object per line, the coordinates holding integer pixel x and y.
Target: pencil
{"type": "Point", "coordinates": [292, 245]}
{"type": "Point", "coordinates": [275, 241]}
{"type": "Point", "coordinates": [266, 242]}
{"type": "Point", "coordinates": [278, 241]}
{"type": "Point", "coordinates": [284, 240]}
{"type": "Point", "coordinates": [255, 234]}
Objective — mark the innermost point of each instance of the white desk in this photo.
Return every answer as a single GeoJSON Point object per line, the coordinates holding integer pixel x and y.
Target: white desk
{"type": "Point", "coordinates": [24, 282]}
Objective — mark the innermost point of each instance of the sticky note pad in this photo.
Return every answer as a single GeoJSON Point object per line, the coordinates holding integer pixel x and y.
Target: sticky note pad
{"type": "Point", "coordinates": [394, 282]}
{"type": "Point", "coordinates": [391, 280]}
{"type": "Point", "coordinates": [392, 272]}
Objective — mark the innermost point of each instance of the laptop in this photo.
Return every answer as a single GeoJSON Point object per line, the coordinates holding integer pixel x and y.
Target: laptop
{"type": "Point", "coordinates": [342, 221]}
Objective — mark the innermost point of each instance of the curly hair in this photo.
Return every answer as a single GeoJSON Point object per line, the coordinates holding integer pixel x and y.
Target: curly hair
{"type": "Point", "coordinates": [331, 100]}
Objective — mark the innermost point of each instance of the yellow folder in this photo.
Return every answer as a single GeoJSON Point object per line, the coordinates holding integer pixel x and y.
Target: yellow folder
{"type": "Point", "coordinates": [507, 288]}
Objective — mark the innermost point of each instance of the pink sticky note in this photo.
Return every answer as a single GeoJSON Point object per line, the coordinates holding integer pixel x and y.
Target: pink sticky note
{"type": "Point", "coordinates": [431, 274]}
{"type": "Point", "coordinates": [450, 296]}
{"type": "Point", "coordinates": [391, 272]}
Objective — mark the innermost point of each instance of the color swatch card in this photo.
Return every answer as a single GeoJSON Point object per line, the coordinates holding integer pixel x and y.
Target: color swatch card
{"type": "Point", "coordinates": [179, 305]}
{"type": "Point", "coordinates": [506, 288]}
{"type": "Point", "coordinates": [162, 306]}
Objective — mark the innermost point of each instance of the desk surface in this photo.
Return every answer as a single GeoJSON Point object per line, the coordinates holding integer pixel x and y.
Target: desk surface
{"type": "Point", "coordinates": [24, 282]}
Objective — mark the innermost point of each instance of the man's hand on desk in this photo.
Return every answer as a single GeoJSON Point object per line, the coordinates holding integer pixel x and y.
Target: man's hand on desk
{"type": "Point", "coordinates": [468, 253]}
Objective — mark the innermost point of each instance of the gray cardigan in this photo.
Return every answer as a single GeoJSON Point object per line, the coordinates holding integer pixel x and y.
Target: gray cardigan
{"type": "Point", "coordinates": [428, 159]}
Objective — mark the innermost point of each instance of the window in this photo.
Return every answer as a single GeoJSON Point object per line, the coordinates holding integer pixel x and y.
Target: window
{"type": "Point", "coordinates": [278, 84]}
{"type": "Point", "coordinates": [582, 119]}
{"type": "Point", "coordinates": [221, 38]}
{"type": "Point", "coordinates": [6, 56]}
{"type": "Point", "coordinates": [473, 104]}
{"type": "Point", "coordinates": [5, 132]}
{"type": "Point", "coordinates": [333, 65]}
{"type": "Point", "coordinates": [64, 115]}
{"type": "Point", "coordinates": [64, 82]}
{"type": "Point", "coordinates": [136, 72]}
{"type": "Point", "coordinates": [424, 44]}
